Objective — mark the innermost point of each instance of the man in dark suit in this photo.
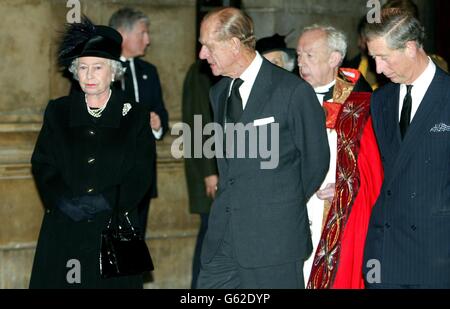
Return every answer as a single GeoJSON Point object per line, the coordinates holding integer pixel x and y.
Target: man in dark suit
{"type": "Point", "coordinates": [141, 82]}
{"type": "Point", "coordinates": [408, 242]}
{"type": "Point", "coordinates": [258, 233]}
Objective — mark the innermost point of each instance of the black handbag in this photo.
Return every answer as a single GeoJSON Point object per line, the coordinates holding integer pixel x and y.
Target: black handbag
{"type": "Point", "coordinates": [123, 251]}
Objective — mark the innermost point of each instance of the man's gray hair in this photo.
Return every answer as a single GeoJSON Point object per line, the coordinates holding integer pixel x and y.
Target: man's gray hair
{"type": "Point", "coordinates": [397, 27]}
{"type": "Point", "coordinates": [126, 18]}
{"type": "Point", "coordinates": [337, 40]}
{"type": "Point", "coordinates": [116, 68]}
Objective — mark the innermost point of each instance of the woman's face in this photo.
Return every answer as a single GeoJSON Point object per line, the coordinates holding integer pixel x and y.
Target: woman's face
{"type": "Point", "coordinates": [94, 74]}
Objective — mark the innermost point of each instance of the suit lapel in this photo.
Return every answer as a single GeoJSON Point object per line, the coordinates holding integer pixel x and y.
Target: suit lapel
{"type": "Point", "coordinates": [259, 94]}
{"type": "Point", "coordinates": [391, 126]}
{"type": "Point", "coordinates": [218, 99]}
{"type": "Point", "coordinates": [138, 69]}
{"type": "Point", "coordinates": [258, 98]}
{"type": "Point", "coordinates": [222, 103]}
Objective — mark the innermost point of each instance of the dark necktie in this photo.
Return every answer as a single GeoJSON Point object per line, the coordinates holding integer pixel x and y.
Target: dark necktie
{"type": "Point", "coordinates": [234, 102]}
{"type": "Point", "coordinates": [405, 117]}
{"type": "Point", "coordinates": [128, 89]}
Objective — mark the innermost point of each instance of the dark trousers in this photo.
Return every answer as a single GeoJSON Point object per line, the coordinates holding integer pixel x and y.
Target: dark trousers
{"type": "Point", "coordinates": [224, 272]}
{"type": "Point", "coordinates": [198, 248]}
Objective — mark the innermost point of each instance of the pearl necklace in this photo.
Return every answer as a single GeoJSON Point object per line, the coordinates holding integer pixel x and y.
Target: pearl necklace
{"type": "Point", "coordinates": [96, 112]}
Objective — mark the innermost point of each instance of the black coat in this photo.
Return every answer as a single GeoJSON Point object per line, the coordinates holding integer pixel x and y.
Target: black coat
{"type": "Point", "coordinates": [123, 149]}
{"type": "Point", "coordinates": [150, 97]}
{"type": "Point", "coordinates": [196, 88]}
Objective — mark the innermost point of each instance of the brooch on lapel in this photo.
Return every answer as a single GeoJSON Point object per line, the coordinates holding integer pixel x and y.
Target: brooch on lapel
{"type": "Point", "coordinates": [126, 108]}
{"type": "Point", "coordinates": [144, 76]}
{"type": "Point", "coordinates": [440, 127]}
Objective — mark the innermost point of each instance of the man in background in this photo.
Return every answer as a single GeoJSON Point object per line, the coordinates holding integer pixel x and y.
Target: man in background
{"type": "Point", "coordinates": [201, 173]}
{"type": "Point", "coordinates": [141, 82]}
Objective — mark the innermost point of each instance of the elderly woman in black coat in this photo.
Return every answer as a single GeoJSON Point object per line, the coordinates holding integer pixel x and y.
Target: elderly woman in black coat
{"type": "Point", "coordinates": [92, 148]}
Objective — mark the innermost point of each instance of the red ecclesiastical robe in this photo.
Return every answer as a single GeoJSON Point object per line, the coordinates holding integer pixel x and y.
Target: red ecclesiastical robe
{"type": "Point", "coordinates": [339, 255]}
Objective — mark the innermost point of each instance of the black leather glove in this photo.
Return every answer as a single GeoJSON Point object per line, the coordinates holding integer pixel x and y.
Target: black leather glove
{"type": "Point", "coordinates": [93, 204]}
{"type": "Point", "coordinates": [83, 207]}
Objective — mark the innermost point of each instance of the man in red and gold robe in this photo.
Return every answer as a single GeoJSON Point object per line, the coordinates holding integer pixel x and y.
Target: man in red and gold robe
{"type": "Point", "coordinates": [339, 212]}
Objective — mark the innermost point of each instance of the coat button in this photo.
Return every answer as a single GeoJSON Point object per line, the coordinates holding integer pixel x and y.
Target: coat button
{"type": "Point", "coordinates": [91, 132]}
{"type": "Point", "coordinates": [90, 190]}
{"type": "Point", "coordinates": [413, 227]}
{"type": "Point", "coordinates": [227, 209]}
{"type": "Point", "coordinates": [231, 182]}
{"type": "Point", "coordinates": [389, 192]}
{"type": "Point", "coordinates": [413, 195]}
{"type": "Point", "coordinates": [387, 225]}
{"type": "Point", "coordinates": [91, 160]}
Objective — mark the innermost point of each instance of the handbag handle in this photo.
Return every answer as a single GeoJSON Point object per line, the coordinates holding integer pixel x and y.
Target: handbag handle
{"type": "Point", "coordinates": [116, 214]}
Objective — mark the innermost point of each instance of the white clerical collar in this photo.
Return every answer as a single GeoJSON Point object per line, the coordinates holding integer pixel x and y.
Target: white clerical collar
{"type": "Point", "coordinates": [324, 89]}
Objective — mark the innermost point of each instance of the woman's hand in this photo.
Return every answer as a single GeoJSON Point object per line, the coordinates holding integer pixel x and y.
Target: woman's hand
{"type": "Point", "coordinates": [83, 207]}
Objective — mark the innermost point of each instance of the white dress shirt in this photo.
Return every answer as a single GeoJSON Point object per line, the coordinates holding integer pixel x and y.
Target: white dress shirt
{"type": "Point", "coordinates": [248, 77]}
{"type": "Point", "coordinates": [420, 87]}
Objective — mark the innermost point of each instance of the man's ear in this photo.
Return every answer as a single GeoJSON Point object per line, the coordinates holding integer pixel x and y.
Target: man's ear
{"type": "Point", "coordinates": [335, 59]}
{"type": "Point", "coordinates": [411, 49]}
{"type": "Point", "coordinates": [235, 45]}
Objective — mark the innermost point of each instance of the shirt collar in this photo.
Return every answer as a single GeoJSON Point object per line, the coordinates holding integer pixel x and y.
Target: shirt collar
{"type": "Point", "coordinates": [249, 75]}
{"type": "Point", "coordinates": [324, 89]}
{"type": "Point", "coordinates": [427, 76]}
{"type": "Point", "coordinates": [123, 59]}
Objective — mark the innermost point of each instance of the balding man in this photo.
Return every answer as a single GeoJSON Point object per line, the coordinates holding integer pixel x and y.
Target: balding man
{"type": "Point", "coordinates": [258, 232]}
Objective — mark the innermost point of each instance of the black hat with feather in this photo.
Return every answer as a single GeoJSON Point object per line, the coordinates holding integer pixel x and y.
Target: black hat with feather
{"type": "Point", "coordinates": [86, 39]}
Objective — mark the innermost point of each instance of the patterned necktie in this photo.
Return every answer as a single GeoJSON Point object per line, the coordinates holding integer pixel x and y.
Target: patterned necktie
{"type": "Point", "coordinates": [234, 102]}
{"type": "Point", "coordinates": [405, 117]}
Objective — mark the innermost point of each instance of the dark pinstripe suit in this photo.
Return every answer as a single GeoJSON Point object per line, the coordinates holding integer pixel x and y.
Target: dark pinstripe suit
{"type": "Point", "coordinates": [409, 230]}
{"type": "Point", "coordinates": [262, 212]}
